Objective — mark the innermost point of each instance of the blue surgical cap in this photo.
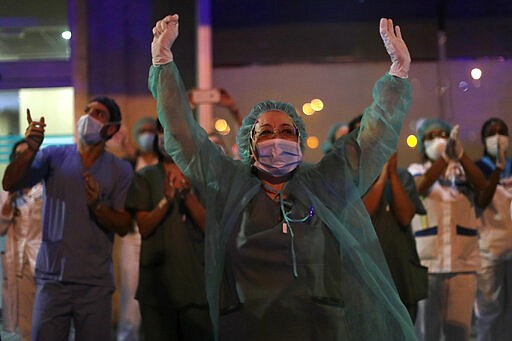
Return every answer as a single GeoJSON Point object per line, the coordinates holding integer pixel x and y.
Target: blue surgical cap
{"type": "Point", "coordinates": [331, 136]}
{"type": "Point", "coordinates": [243, 137]}
{"type": "Point", "coordinates": [111, 105]}
{"type": "Point", "coordinates": [428, 125]}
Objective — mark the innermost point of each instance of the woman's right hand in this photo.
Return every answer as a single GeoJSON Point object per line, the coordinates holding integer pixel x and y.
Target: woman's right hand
{"type": "Point", "coordinates": [165, 33]}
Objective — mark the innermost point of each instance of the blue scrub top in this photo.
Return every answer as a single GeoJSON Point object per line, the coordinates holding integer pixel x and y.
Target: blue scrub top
{"type": "Point", "coordinates": [75, 248]}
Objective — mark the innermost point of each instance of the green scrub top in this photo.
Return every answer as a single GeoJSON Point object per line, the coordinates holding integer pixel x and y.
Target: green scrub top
{"type": "Point", "coordinates": [171, 258]}
{"type": "Point", "coordinates": [260, 253]}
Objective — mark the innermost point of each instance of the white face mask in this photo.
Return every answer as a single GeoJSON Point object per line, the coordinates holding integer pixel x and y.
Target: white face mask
{"type": "Point", "coordinates": [492, 143]}
{"type": "Point", "coordinates": [89, 130]}
{"type": "Point", "coordinates": [435, 148]}
{"type": "Point", "coordinates": [145, 141]}
{"type": "Point", "coordinates": [278, 157]}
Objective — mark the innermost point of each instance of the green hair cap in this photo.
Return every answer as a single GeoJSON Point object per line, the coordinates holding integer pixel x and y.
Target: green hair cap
{"type": "Point", "coordinates": [243, 137]}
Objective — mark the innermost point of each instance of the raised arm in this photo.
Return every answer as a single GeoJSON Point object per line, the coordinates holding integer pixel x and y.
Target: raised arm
{"type": "Point", "coordinates": [484, 197]}
{"type": "Point", "coordinates": [16, 174]}
{"type": "Point", "coordinates": [402, 206]}
{"type": "Point", "coordinates": [475, 176]}
{"type": "Point", "coordinates": [372, 198]}
{"type": "Point", "coordinates": [382, 121]}
{"type": "Point", "coordinates": [181, 130]}
{"type": "Point", "coordinates": [425, 181]}
{"type": "Point", "coordinates": [455, 151]}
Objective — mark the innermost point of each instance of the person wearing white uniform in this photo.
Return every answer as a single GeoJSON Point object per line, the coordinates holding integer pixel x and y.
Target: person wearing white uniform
{"type": "Point", "coordinates": [446, 237]}
{"type": "Point", "coordinates": [493, 307]}
{"type": "Point", "coordinates": [20, 219]}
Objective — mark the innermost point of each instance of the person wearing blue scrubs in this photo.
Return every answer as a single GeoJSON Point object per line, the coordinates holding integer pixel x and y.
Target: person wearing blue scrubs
{"type": "Point", "coordinates": [84, 196]}
{"type": "Point", "coordinates": [293, 240]}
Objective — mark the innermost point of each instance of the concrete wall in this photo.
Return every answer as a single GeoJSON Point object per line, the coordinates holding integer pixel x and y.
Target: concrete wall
{"type": "Point", "coordinates": [345, 89]}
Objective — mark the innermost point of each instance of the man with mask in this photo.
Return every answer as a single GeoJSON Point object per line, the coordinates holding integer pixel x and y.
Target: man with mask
{"type": "Point", "coordinates": [446, 236]}
{"type": "Point", "coordinates": [294, 240]}
{"type": "Point", "coordinates": [493, 308]}
{"type": "Point", "coordinates": [85, 192]}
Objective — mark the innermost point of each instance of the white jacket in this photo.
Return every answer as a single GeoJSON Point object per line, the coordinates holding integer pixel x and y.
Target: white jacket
{"type": "Point", "coordinates": [23, 241]}
{"type": "Point", "coordinates": [496, 224]}
{"type": "Point", "coordinates": [446, 237]}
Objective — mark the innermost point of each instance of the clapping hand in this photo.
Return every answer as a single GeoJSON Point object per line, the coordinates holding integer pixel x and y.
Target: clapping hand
{"type": "Point", "coordinates": [502, 149]}
{"type": "Point", "coordinates": [392, 164]}
{"type": "Point", "coordinates": [93, 190]}
{"type": "Point", "coordinates": [454, 149]}
{"type": "Point", "coordinates": [169, 189]}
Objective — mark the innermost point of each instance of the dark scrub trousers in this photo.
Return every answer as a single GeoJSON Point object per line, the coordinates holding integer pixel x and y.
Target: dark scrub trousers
{"type": "Point", "coordinates": [88, 307]}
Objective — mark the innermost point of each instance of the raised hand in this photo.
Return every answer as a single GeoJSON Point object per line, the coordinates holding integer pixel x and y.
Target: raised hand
{"type": "Point", "coordinates": [396, 47]}
{"type": "Point", "coordinates": [227, 101]}
{"type": "Point", "coordinates": [165, 33]}
{"type": "Point", "coordinates": [34, 135]}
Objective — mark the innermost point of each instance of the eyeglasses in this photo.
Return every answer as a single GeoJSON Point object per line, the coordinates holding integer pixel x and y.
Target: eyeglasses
{"type": "Point", "coordinates": [436, 133]}
{"type": "Point", "coordinates": [285, 132]}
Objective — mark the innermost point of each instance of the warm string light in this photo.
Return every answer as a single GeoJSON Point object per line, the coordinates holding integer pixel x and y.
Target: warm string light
{"type": "Point", "coordinates": [312, 142]}
{"type": "Point", "coordinates": [312, 107]}
{"type": "Point", "coordinates": [222, 126]}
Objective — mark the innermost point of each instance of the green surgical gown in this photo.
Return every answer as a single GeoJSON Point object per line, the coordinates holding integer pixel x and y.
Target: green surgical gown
{"type": "Point", "coordinates": [371, 307]}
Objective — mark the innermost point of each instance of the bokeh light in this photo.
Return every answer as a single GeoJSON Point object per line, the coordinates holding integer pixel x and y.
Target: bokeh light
{"type": "Point", "coordinates": [312, 142]}
{"type": "Point", "coordinates": [225, 131]}
{"type": "Point", "coordinates": [66, 35]}
{"type": "Point", "coordinates": [412, 141]}
{"type": "Point", "coordinates": [476, 73]}
{"type": "Point", "coordinates": [221, 125]}
{"type": "Point", "coordinates": [463, 86]}
{"type": "Point", "coordinates": [317, 104]}
{"type": "Point", "coordinates": [307, 110]}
